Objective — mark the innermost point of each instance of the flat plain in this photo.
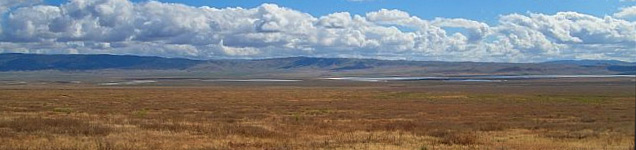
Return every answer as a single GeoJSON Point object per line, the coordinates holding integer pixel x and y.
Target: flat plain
{"type": "Point", "coordinates": [591, 113]}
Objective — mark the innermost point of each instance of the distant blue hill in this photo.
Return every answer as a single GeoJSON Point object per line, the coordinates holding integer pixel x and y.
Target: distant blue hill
{"type": "Point", "coordinates": [349, 66]}
{"type": "Point", "coordinates": [592, 62]}
{"type": "Point", "coordinates": [611, 65]}
{"type": "Point", "coordinates": [29, 62]}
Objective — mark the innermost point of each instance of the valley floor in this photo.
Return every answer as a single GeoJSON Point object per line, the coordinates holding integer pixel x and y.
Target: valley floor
{"type": "Point", "coordinates": [529, 114]}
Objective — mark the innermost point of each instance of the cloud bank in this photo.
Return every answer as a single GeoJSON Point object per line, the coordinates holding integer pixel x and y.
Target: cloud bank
{"type": "Point", "coordinates": [176, 30]}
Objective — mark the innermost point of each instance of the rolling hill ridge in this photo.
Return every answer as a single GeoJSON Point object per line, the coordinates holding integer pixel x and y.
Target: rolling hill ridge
{"type": "Point", "coordinates": [35, 62]}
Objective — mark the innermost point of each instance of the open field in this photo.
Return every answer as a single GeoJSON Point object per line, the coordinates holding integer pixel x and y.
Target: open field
{"type": "Point", "coordinates": [523, 114]}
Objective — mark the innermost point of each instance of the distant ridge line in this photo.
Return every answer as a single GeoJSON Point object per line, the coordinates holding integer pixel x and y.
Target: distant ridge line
{"type": "Point", "coordinates": [82, 62]}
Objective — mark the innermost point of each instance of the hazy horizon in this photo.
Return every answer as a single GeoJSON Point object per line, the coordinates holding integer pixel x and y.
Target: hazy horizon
{"type": "Point", "coordinates": [301, 56]}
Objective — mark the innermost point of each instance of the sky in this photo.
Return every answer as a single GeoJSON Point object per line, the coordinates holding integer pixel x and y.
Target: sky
{"type": "Point", "coordinates": [448, 30]}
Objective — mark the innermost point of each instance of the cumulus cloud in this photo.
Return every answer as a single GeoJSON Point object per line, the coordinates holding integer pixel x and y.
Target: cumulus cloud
{"type": "Point", "coordinates": [627, 12]}
{"type": "Point", "coordinates": [477, 30]}
{"type": "Point", "coordinates": [177, 30]}
{"type": "Point", "coordinates": [5, 5]}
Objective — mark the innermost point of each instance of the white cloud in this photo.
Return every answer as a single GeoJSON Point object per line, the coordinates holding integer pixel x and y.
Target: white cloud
{"type": "Point", "coordinates": [477, 30]}
{"type": "Point", "coordinates": [176, 30]}
{"type": "Point", "coordinates": [5, 5]}
{"type": "Point", "coordinates": [336, 20]}
{"type": "Point", "coordinates": [627, 12]}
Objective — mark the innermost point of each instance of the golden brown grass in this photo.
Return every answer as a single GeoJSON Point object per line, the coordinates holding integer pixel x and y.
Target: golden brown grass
{"type": "Point", "coordinates": [499, 116]}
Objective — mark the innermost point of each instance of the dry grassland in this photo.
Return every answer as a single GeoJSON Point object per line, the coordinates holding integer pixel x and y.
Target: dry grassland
{"type": "Point", "coordinates": [415, 116]}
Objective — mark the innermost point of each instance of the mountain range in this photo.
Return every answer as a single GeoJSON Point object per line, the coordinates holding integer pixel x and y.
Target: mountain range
{"type": "Point", "coordinates": [305, 65]}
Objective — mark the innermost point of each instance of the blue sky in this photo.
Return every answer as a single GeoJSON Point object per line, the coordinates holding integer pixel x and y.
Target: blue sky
{"type": "Point", "coordinates": [444, 30]}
